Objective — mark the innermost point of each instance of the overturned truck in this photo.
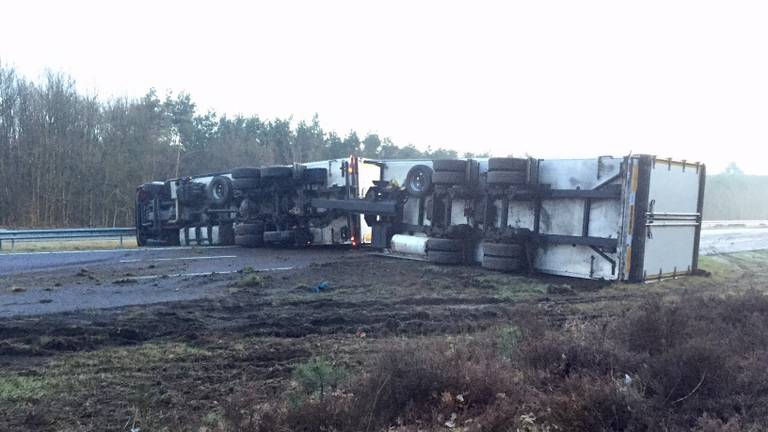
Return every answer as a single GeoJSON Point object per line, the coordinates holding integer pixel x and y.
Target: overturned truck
{"type": "Point", "coordinates": [632, 218]}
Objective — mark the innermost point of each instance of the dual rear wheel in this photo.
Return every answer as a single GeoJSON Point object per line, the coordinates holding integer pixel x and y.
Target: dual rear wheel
{"type": "Point", "coordinates": [507, 171]}
{"type": "Point", "coordinates": [503, 256]}
{"type": "Point", "coordinates": [445, 251]}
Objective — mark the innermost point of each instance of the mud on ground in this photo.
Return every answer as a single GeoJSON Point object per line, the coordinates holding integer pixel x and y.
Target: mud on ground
{"type": "Point", "coordinates": [177, 365]}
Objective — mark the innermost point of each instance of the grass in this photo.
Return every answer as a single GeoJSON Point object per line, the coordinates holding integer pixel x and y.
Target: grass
{"type": "Point", "coordinates": [510, 286]}
{"type": "Point", "coordinates": [145, 355]}
{"type": "Point", "coordinates": [27, 388]}
{"type": "Point", "coordinates": [73, 245]}
{"type": "Point", "coordinates": [726, 265]}
{"type": "Point", "coordinates": [250, 280]}
{"type": "Point", "coordinates": [125, 373]}
{"type": "Point", "coordinates": [317, 377]}
{"type": "Point", "coordinates": [692, 365]}
{"type": "Point", "coordinates": [719, 265]}
{"type": "Point", "coordinates": [532, 369]}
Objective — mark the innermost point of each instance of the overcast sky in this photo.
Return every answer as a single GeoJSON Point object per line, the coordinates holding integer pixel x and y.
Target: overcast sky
{"type": "Point", "coordinates": [686, 79]}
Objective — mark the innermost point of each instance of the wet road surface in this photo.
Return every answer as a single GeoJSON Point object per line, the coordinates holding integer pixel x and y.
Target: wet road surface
{"type": "Point", "coordinates": [48, 282]}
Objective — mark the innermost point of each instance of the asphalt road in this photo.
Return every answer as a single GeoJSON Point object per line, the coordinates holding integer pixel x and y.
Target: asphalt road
{"type": "Point", "coordinates": [730, 240]}
{"type": "Point", "coordinates": [197, 260]}
{"type": "Point", "coordinates": [48, 282]}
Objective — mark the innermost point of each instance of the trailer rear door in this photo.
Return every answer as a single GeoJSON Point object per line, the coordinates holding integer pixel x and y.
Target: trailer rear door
{"type": "Point", "coordinates": [673, 218]}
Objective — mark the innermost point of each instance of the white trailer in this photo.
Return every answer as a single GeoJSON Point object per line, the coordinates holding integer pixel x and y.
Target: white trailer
{"type": "Point", "coordinates": [630, 218]}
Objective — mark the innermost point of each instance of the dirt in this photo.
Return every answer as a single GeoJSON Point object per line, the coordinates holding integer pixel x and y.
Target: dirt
{"type": "Point", "coordinates": [178, 364]}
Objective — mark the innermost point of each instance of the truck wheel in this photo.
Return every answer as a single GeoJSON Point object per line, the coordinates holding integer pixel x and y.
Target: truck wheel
{"type": "Point", "coordinates": [507, 164]}
{"type": "Point", "coordinates": [318, 176]}
{"type": "Point", "coordinates": [220, 191]}
{"type": "Point", "coordinates": [444, 245]}
{"type": "Point", "coordinates": [271, 236]}
{"type": "Point", "coordinates": [418, 182]}
{"type": "Point", "coordinates": [507, 177]}
{"type": "Point", "coordinates": [449, 177]}
{"type": "Point", "coordinates": [141, 238]}
{"type": "Point", "coordinates": [503, 250]}
{"type": "Point", "coordinates": [246, 172]}
{"type": "Point", "coordinates": [501, 263]}
{"type": "Point", "coordinates": [443, 257]}
{"type": "Point", "coordinates": [248, 209]}
{"type": "Point", "coordinates": [249, 240]}
{"type": "Point", "coordinates": [171, 237]}
{"type": "Point", "coordinates": [226, 234]}
{"type": "Point", "coordinates": [249, 228]}
{"type": "Point", "coordinates": [287, 236]}
{"type": "Point", "coordinates": [249, 235]}
{"type": "Point", "coordinates": [456, 165]}
{"type": "Point", "coordinates": [276, 172]}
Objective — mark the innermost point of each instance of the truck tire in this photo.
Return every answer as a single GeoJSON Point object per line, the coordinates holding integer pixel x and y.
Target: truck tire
{"type": "Point", "coordinates": [171, 237]}
{"type": "Point", "coordinates": [444, 245]}
{"type": "Point", "coordinates": [220, 191]}
{"type": "Point", "coordinates": [443, 257]}
{"type": "Point", "coordinates": [245, 173]}
{"type": "Point", "coordinates": [245, 183]}
{"type": "Point", "coordinates": [503, 250]}
{"type": "Point", "coordinates": [249, 228]}
{"type": "Point", "coordinates": [507, 164]}
{"type": "Point", "coordinates": [455, 165]}
{"type": "Point", "coordinates": [155, 190]}
{"type": "Point", "coordinates": [248, 209]}
{"type": "Point", "coordinates": [418, 182]}
{"type": "Point", "coordinates": [507, 177]}
{"type": "Point", "coordinates": [287, 236]}
{"type": "Point", "coordinates": [448, 177]}
{"type": "Point", "coordinates": [317, 176]}
{"type": "Point", "coordinates": [249, 240]}
{"type": "Point", "coordinates": [501, 263]}
{"type": "Point", "coordinates": [141, 238]}
{"type": "Point", "coordinates": [226, 234]}
{"type": "Point", "coordinates": [249, 234]}
{"type": "Point", "coordinates": [276, 172]}
{"type": "Point", "coordinates": [271, 236]}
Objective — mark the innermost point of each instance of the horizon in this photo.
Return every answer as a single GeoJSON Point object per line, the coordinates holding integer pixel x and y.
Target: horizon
{"type": "Point", "coordinates": [679, 80]}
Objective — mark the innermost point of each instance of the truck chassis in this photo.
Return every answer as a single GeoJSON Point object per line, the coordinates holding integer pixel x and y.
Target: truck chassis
{"type": "Point", "coordinates": [632, 218]}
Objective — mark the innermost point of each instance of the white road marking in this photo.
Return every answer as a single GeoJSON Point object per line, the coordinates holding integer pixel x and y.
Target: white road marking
{"type": "Point", "coordinates": [205, 273]}
{"type": "Point", "coordinates": [178, 259]}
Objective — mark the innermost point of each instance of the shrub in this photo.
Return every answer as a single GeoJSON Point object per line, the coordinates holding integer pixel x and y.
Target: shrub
{"type": "Point", "coordinates": [250, 280]}
{"type": "Point", "coordinates": [317, 376]}
{"type": "Point", "coordinates": [697, 364]}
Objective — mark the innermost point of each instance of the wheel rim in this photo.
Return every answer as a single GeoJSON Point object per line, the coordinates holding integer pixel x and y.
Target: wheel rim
{"type": "Point", "coordinates": [218, 191]}
{"type": "Point", "coordinates": [418, 181]}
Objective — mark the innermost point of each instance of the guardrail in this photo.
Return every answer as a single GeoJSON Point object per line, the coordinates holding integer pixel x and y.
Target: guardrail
{"type": "Point", "coordinates": [14, 236]}
{"type": "Point", "coordinates": [715, 224]}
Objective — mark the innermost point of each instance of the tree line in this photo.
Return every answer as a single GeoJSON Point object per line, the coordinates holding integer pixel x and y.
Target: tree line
{"type": "Point", "coordinates": [69, 159]}
{"type": "Point", "coordinates": [733, 195]}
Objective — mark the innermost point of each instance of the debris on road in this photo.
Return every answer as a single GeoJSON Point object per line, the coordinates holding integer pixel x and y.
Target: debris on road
{"type": "Point", "coordinates": [322, 286]}
{"type": "Point", "coordinates": [126, 280]}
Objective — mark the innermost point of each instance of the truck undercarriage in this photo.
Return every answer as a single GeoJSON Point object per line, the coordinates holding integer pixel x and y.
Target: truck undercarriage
{"type": "Point", "coordinates": [630, 218]}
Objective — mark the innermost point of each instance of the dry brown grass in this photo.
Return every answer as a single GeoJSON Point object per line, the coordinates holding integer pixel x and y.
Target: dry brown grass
{"type": "Point", "coordinates": [73, 245]}
{"type": "Point", "coordinates": [696, 364]}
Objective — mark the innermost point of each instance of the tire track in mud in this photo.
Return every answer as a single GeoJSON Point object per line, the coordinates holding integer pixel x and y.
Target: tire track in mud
{"type": "Point", "coordinates": [393, 298]}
